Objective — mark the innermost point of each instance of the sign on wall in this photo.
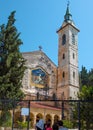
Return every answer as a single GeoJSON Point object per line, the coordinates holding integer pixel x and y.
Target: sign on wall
{"type": "Point", "coordinates": [24, 111]}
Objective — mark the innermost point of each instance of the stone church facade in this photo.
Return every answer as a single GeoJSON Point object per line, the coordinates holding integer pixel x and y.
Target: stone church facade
{"type": "Point", "coordinates": [43, 78]}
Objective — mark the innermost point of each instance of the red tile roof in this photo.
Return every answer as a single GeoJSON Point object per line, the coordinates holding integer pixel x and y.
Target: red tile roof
{"type": "Point", "coordinates": [37, 105]}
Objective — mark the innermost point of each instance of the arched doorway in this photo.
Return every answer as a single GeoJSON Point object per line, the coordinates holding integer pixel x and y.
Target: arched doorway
{"type": "Point", "coordinates": [31, 120]}
{"type": "Point", "coordinates": [48, 118]}
{"type": "Point", "coordinates": [56, 118]}
{"type": "Point", "coordinates": [17, 118]}
{"type": "Point", "coordinates": [39, 116]}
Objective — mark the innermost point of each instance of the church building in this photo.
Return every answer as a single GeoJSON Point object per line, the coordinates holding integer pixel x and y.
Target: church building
{"type": "Point", "coordinates": [45, 81]}
{"type": "Point", "coordinates": [43, 78]}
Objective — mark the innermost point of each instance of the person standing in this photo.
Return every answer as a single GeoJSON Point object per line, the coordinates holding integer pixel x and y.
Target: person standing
{"type": "Point", "coordinates": [60, 125]}
{"type": "Point", "coordinates": [37, 120]}
{"type": "Point", "coordinates": [40, 125]}
{"type": "Point", "coordinates": [55, 126]}
{"type": "Point", "coordinates": [49, 126]}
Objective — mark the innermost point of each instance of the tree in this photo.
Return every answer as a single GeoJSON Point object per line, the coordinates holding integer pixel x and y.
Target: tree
{"type": "Point", "coordinates": [86, 100]}
{"type": "Point", "coordinates": [12, 64]}
{"type": "Point", "coordinates": [86, 93]}
{"type": "Point", "coordinates": [90, 78]}
{"type": "Point", "coordinates": [83, 77]}
{"type": "Point", "coordinates": [86, 108]}
{"type": "Point", "coordinates": [86, 78]}
{"type": "Point", "coordinates": [12, 67]}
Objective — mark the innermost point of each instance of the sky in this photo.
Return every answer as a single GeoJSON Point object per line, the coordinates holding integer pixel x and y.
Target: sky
{"type": "Point", "coordinates": [38, 21]}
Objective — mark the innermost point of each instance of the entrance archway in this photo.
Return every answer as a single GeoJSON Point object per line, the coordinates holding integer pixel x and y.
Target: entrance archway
{"type": "Point", "coordinates": [56, 118]}
{"type": "Point", "coordinates": [31, 120]}
{"type": "Point", "coordinates": [48, 118]}
{"type": "Point", "coordinates": [39, 116]}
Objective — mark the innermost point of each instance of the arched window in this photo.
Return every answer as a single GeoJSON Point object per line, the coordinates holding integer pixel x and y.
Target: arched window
{"type": "Point", "coordinates": [63, 56]}
{"type": "Point", "coordinates": [73, 74]}
{"type": "Point", "coordinates": [73, 56]}
{"type": "Point", "coordinates": [73, 39]}
{"type": "Point", "coordinates": [63, 39]}
{"type": "Point", "coordinates": [63, 74]}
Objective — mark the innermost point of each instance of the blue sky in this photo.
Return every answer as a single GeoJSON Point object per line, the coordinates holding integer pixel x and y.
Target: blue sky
{"type": "Point", "coordinates": [38, 20]}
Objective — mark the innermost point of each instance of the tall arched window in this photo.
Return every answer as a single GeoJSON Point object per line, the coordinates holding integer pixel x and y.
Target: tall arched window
{"type": "Point", "coordinates": [63, 56]}
{"type": "Point", "coordinates": [63, 74]}
{"type": "Point", "coordinates": [73, 56]}
{"type": "Point", "coordinates": [63, 39]}
{"type": "Point", "coordinates": [73, 74]}
{"type": "Point", "coordinates": [73, 39]}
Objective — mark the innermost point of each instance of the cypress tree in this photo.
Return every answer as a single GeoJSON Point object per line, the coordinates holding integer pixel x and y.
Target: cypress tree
{"type": "Point", "coordinates": [12, 64]}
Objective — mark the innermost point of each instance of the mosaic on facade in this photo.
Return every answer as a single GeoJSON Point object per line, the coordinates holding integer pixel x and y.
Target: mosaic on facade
{"type": "Point", "coordinates": [39, 78]}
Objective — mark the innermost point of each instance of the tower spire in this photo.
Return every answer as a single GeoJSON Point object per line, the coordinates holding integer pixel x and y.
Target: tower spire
{"type": "Point", "coordinates": [68, 16]}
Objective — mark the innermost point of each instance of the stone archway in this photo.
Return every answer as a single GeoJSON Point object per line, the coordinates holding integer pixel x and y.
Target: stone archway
{"type": "Point", "coordinates": [31, 120]}
{"type": "Point", "coordinates": [48, 118]}
{"type": "Point", "coordinates": [39, 116]}
{"type": "Point", "coordinates": [56, 118]}
{"type": "Point", "coordinates": [17, 117]}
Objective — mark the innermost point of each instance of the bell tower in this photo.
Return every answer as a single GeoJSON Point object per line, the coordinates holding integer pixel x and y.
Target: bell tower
{"type": "Point", "coordinates": [68, 75]}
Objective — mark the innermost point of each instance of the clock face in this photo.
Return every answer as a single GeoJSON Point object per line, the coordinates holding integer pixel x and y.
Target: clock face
{"type": "Point", "coordinates": [39, 78]}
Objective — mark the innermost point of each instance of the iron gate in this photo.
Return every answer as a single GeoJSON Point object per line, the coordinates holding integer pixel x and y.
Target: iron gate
{"type": "Point", "coordinates": [76, 114]}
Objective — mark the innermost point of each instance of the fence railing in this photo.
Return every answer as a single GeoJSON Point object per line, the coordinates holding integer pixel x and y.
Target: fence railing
{"type": "Point", "coordinates": [22, 114]}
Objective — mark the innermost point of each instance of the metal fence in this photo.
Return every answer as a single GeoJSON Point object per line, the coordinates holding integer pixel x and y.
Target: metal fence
{"type": "Point", "coordinates": [22, 114]}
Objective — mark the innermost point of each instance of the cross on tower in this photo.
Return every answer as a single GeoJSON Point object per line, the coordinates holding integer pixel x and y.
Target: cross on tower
{"type": "Point", "coordinates": [68, 3]}
{"type": "Point", "coordinates": [40, 48]}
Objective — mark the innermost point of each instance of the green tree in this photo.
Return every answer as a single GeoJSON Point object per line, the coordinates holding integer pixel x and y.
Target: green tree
{"type": "Point", "coordinates": [12, 64]}
{"type": "Point", "coordinates": [86, 78]}
{"type": "Point", "coordinates": [86, 99]}
{"type": "Point", "coordinates": [83, 77]}
{"type": "Point", "coordinates": [90, 78]}
{"type": "Point", "coordinates": [12, 67]}
{"type": "Point", "coordinates": [86, 93]}
{"type": "Point", "coordinates": [86, 108]}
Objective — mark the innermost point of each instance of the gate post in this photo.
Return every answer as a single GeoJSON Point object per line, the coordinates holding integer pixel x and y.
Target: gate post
{"type": "Point", "coordinates": [62, 110]}
{"type": "Point", "coordinates": [79, 123]}
{"type": "Point", "coordinates": [28, 115]}
{"type": "Point", "coordinates": [13, 114]}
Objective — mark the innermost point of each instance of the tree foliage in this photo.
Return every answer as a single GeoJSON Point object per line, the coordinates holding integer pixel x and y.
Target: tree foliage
{"type": "Point", "coordinates": [86, 78]}
{"type": "Point", "coordinates": [12, 64]}
{"type": "Point", "coordinates": [85, 104]}
{"type": "Point", "coordinates": [5, 119]}
{"type": "Point", "coordinates": [86, 107]}
{"type": "Point", "coordinates": [83, 77]}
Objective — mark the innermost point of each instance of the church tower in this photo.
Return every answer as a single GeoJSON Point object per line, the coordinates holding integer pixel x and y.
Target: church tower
{"type": "Point", "coordinates": [68, 75]}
